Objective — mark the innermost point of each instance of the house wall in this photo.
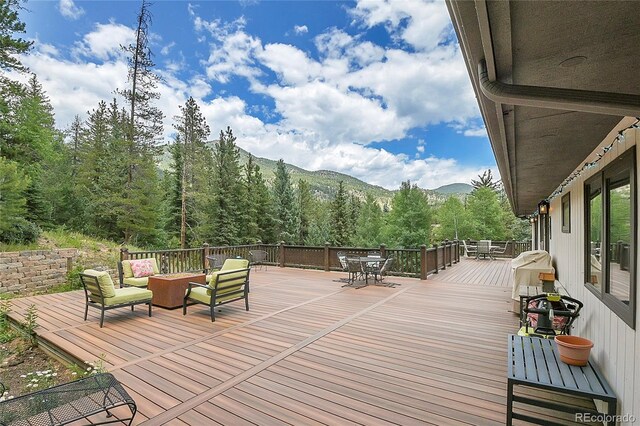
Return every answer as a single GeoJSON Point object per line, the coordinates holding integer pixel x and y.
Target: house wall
{"type": "Point", "coordinates": [616, 345]}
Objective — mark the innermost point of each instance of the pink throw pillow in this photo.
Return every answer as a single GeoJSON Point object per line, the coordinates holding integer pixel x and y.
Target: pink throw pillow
{"type": "Point", "coordinates": [142, 268]}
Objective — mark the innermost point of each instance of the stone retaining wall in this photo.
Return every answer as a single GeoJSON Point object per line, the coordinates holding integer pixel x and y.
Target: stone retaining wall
{"type": "Point", "coordinates": [34, 270]}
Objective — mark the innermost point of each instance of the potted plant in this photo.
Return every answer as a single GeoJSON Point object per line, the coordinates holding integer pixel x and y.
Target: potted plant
{"type": "Point", "coordinates": [574, 350]}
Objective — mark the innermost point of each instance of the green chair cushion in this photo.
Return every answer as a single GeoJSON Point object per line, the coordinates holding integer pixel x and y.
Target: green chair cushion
{"type": "Point", "coordinates": [203, 295]}
{"type": "Point", "coordinates": [231, 264]}
{"type": "Point", "coordinates": [241, 277]}
{"type": "Point", "coordinates": [127, 272]}
{"type": "Point", "coordinates": [127, 295]}
{"type": "Point", "coordinates": [136, 282]}
{"type": "Point", "coordinates": [104, 281]}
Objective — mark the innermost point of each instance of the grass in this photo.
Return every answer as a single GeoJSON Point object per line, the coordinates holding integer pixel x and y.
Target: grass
{"type": "Point", "coordinates": [62, 238]}
{"type": "Point", "coordinates": [92, 252]}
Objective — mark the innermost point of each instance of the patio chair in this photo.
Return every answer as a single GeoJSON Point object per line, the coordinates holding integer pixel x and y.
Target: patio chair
{"type": "Point", "coordinates": [484, 249]}
{"type": "Point", "coordinates": [469, 249]}
{"type": "Point", "coordinates": [381, 269]}
{"type": "Point", "coordinates": [227, 285]}
{"type": "Point", "coordinates": [130, 278]}
{"type": "Point", "coordinates": [100, 293]}
{"type": "Point", "coordinates": [227, 265]}
{"type": "Point", "coordinates": [354, 267]}
{"type": "Point", "coordinates": [258, 258]}
{"type": "Point", "coordinates": [342, 258]}
{"type": "Point", "coordinates": [500, 250]}
{"type": "Point", "coordinates": [216, 261]}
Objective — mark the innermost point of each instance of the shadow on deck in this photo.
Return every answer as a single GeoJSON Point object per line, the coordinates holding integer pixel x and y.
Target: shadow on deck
{"type": "Point", "coordinates": [308, 351]}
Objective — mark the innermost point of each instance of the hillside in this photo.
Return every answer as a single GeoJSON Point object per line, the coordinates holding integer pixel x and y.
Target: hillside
{"type": "Point", "coordinates": [324, 183]}
{"type": "Point", "coordinates": [455, 188]}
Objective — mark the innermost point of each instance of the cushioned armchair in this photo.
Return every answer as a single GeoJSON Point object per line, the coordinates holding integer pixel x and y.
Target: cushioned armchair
{"type": "Point", "coordinates": [129, 277]}
{"type": "Point", "coordinates": [227, 285]}
{"type": "Point", "coordinates": [228, 265]}
{"type": "Point", "coordinates": [100, 293]}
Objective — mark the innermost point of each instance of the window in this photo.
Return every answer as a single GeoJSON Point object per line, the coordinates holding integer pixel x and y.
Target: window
{"type": "Point", "coordinates": [610, 230]}
{"type": "Point", "coordinates": [566, 213]}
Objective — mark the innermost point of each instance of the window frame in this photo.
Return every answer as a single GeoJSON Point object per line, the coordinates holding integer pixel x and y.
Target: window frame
{"type": "Point", "coordinates": [625, 163]}
{"type": "Point", "coordinates": [566, 220]}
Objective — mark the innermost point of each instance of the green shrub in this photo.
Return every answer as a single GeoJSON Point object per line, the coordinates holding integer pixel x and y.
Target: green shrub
{"type": "Point", "coordinates": [73, 278]}
{"type": "Point", "coordinates": [21, 232]}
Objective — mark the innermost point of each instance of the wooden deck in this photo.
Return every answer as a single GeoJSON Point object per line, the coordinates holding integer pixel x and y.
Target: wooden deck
{"type": "Point", "coordinates": [309, 351]}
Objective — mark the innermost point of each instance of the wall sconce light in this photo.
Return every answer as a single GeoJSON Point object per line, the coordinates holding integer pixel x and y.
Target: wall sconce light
{"type": "Point", "coordinates": [543, 207]}
{"type": "Point", "coordinates": [532, 220]}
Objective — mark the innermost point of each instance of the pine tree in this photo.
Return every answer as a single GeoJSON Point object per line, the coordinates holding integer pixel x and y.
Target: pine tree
{"type": "Point", "coordinates": [485, 181]}
{"type": "Point", "coordinates": [264, 208]}
{"type": "Point", "coordinates": [31, 140]}
{"type": "Point", "coordinates": [13, 184]}
{"type": "Point", "coordinates": [227, 190]}
{"type": "Point", "coordinates": [340, 218]}
{"type": "Point", "coordinates": [251, 230]}
{"type": "Point", "coordinates": [192, 131]}
{"type": "Point", "coordinates": [74, 133]}
{"type": "Point", "coordinates": [285, 204]}
{"type": "Point", "coordinates": [101, 177]}
{"type": "Point", "coordinates": [305, 206]}
{"type": "Point", "coordinates": [354, 213]}
{"type": "Point", "coordinates": [10, 47]}
{"type": "Point", "coordinates": [144, 122]}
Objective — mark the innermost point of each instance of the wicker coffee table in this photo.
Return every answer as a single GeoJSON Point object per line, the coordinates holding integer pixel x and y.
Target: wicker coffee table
{"type": "Point", "coordinates": [168, 290]}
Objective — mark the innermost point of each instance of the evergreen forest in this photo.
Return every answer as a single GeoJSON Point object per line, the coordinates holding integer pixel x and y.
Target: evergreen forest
{"type": "Point", "coordinates": [101, 175]}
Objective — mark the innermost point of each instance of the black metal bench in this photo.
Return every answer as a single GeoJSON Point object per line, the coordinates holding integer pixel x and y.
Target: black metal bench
{"type": "Point", "coordinates": [69, 402]}
{"type": "Point", "coordinates": [535, 362]}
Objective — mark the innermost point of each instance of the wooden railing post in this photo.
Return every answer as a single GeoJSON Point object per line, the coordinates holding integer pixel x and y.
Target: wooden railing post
{"type": "Point", "coordinates": [444, 254]}
{"type": "Point", "coordinates": [383, 251]}
{"type": "Point", "coordinates": [423, 262]}
{"type": "Point", "coordinates": [326, 257]}
{"type": "Point", "coordinates": [282, 254]}
{"type": "Point", "coordinates": [205, 253]}
{"type": "Point", "coordinates": [457, 251]}
{"type": "Point", "coordinates": [435, 246]}
{"type": "Point", "coordinates": [124, 253]}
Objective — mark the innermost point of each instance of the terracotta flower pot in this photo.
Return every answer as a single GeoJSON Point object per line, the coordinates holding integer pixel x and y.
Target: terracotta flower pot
{"type": "Point", "coordinates": [574, 350]}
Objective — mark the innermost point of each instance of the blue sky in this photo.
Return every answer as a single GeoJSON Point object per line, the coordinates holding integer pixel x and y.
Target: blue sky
{"type": "Point", "coordinates": [371, 88]}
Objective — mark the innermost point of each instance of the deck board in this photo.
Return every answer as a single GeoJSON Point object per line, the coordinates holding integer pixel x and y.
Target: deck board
{"type": "Point", "coordinates": [309, 351]}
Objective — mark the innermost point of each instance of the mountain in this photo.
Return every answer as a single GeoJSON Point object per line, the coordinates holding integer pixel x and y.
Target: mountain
{"type": "Point", "coordinates": [324, 183]}
{"type": "Point", "coordinates": [454, 188]}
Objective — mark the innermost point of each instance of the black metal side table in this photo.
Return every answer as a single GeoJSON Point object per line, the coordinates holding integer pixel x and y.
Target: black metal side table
{"type": "Point", "coordinates": [535, 362]}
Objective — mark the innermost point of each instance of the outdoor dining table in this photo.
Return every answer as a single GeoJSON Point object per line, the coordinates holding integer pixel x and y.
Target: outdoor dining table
{"type": "Point", "coordinates": [368, 263]}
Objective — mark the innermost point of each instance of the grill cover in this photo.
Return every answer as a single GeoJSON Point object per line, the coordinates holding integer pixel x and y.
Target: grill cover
{"type": "Point", "coordinates": [526, 268]}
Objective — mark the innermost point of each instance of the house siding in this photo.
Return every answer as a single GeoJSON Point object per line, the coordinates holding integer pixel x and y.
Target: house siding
{"type": "Point", "coordinates": [616, 345]}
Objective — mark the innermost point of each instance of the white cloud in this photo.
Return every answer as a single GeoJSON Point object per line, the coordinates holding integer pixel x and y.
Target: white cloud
{"type": "Point", "coordinates": [300, 29]}
{"type": "Point", "coordinates": [327, 109]}
{"type": "Point", "coordinates": [167, 48]}
{"type": "Point", "coordinates": [476, 132]}
{"type": "Point", "coordinates": [69, 10]}
{"type": "Point", "coordinates": [234, 56]}
{"type": "Point", "coordinates": [105, 41]}
{"type": "Point", "coordinates": [420, 23]}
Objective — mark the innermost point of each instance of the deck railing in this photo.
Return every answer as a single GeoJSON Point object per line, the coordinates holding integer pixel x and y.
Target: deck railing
{"type": "Point", "coordinates": [418, 263]}
{"type": "Point", "coordinates": [513, 249]}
